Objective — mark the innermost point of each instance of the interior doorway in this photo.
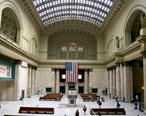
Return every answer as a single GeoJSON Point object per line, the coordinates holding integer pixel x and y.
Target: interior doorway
{"type": "Point", "coordinates": [22, 93]}
{"type": "Point", "coordinates": [0, 96]}
{"type": "Point", "coordinates": [81, 89]}
{"type": "Point", "coordinates": [62, 89]}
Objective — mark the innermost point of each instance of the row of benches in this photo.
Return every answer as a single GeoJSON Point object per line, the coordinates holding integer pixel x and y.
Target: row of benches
{"type": "Point", "coordinates": [93, 111]}
{"type": "Point", "coordinates": [52, 96]}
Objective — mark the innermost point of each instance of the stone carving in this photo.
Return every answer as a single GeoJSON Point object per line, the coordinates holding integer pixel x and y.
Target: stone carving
{"type": "Point", "coordinates": [143, 20]}
{"type": "Point", "coordinates": [117, 42]}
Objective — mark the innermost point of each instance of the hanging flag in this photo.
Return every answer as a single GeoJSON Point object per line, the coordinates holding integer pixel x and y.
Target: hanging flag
{"type": "Point", "coordinates": [72, 71]}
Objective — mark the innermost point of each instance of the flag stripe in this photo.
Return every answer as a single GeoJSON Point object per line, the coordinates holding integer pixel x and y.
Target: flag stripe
{"type": "Point", "coordinates": [72, 71]}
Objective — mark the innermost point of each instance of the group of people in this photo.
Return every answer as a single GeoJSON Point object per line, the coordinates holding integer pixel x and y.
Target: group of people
{"type": "Point", "coordinates": [77, 112]}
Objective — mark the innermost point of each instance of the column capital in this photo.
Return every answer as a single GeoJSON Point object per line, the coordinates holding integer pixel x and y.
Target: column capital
{"type": "Point", "coordinates": [18, 61]}
{"type": "Point", "coordinates": [111, 68]}
{"type": "Point", "coordinates": [35, 68]}
{"type": "Point", "coordinates": [108, 69]}
{"type": "Point", "coordinates": [90, 70]}
{"type": "Point", "coordinates": [143, 54]}
{"type": "Point", "coordinates": [126, 63]}
{"type": "Point", "coordinates": [28, 65]}
{"type": "Point", "coordinates": [117, 64]}
{"type": "Point", "coordinates": [53, 69]}
{"type": "Point", "coordinates": [86, 70]}
{"type": "Point", "coordinates": [114, 67]}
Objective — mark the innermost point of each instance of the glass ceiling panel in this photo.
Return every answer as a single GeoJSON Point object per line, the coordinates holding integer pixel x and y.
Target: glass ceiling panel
{"type": "Point", "coordinates": [90, 10]}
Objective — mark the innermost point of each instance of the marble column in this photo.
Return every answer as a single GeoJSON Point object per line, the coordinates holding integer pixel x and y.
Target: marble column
{"type": "Point", "coordinates": [111, 81]}
{"type": "Point", "coordinates": [35, 81]}
{"type": "Point", "coordinates": [54, 85]}
{"type": "Point", "coordinates": [144, 77]}
{"type": "Point", "coordinates": [118, 81]}
{"type": "Point", "coordinates": [89, 80]}
{"type": "Point", "coordinates": [29, 80]}
{"type": "Point", "coordinates": [86, 81]}
{"type": "Point", "coordinates": [77, 86]}
{"type": "Point", "coordinates": [122, 80]}
{"type": "Point", "coordinates": [57, 81]}
{"type": "Point", "coordinates": [108, 76]}
{"type": "Point", "coordinates": [66, 87]}
{"type": "Point", "coordinates": [127, 81]}
{"type": "Point", "coordinates": [32, 81]}
{"type": "Point", "coordinates": [131, 79]}
{"type": "Point", "coordinates": [114, 81]}
{"type": "Point", "coordinates": [17, 90]}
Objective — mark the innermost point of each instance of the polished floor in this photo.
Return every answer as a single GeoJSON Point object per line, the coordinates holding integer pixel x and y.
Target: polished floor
{"type": "Point", "coordinates": [61, 108]}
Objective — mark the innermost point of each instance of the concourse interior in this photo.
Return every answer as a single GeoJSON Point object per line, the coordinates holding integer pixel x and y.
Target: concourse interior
{"type": "Point", "coordinates": [61, 108]}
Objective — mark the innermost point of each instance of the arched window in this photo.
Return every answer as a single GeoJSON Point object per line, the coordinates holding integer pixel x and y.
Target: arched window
{"type": "Point", "coordinates": [33, 46]}
{"type": "Point", "coordinates": [8, 26]}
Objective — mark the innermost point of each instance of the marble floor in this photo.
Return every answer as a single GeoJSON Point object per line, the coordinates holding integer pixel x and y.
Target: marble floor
{"type": "Point", "coordinates": [61, 108]}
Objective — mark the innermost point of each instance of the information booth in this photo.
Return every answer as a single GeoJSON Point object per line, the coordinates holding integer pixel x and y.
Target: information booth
{"type": "Point", "coordinates": [72, 97]}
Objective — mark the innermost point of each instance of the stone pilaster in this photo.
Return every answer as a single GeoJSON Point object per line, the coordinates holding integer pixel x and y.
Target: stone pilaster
{"type": "Point", "coordinates": [32, 81]}
{"type": "Point", "coordinates": [111, 81]}
{"type": "Point", "coordinates": [114, 81]}
{"type": "Point", "coordinates": [86, 81]}
{"type": "Point", "coordinates": [108, 76]}
{"type": "Point", "coordinates": [122, 80]}
{"type": "Point", "coordinates": [66, 87]}
{"type": "Point", "coordinates": [17, 90]}
{"type": "Point", "coordinates": [127, 81]}
{"type": "Point", "coordinates": [118, 81]}
{"type": "Point", "coordinates": [29, 80]}
{"type": "Point", "coordinates": [144, 76]}
{"type": "Point", "coordinates": [57, 81]}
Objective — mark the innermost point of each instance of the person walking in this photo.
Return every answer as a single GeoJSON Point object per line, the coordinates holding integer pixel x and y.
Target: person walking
{"type": "Point", "coordinates": [100, 104]}
{"type": "Point", "coordinates": [84, 108]}
{"type": "Point", "coordinates": [118, 105]}
{"type": "Point", "coordinates": [77, 113]}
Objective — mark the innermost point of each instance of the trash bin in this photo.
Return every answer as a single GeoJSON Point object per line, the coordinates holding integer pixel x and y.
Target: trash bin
{"type": "Point", "coordinates": [141, 106]}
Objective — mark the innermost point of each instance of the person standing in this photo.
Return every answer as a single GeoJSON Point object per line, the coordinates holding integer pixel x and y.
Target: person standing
{"type": "Point", "coordinates": [84, 108]}
{"type": "Point", "coordinates": [77, 113]}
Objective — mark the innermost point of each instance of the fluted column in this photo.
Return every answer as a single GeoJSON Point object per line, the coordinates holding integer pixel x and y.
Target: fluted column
{"type": "Point", "coordinates": [66, 87]}
{"type": "Point", "coordinates": [77, 86]}
{"type": "Point", "coordinates": [144, 77]}
{"type": "Point", "coordinates": [57, 81]}
{"type": "Point", "coordinates": [17, 94]}
{"type": "Point", "coordinates": [127, 81]}
{"type": "Point", "coordinates": [86, 82]}
{"type": "Point", "coordinates": [114, 81]}
{"type": "Point", "coordinates": [111, 81]}
{"type": "Point", "coordinates": [29, 80]}
{"type": "Point", "coordinates": [122, 80]}
{"type": "Point", "coordinates": [118, 81]}
{"type": "Point", "coordinates": [32, 81]}
{"type": "Point", "coordinates": [35, 81]}
{"type": "Point", "coordinates": [108, 76]}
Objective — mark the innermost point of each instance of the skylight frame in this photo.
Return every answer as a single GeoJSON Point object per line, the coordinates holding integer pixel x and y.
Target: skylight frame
{"type": "Point", "coordinates": [90, 10]}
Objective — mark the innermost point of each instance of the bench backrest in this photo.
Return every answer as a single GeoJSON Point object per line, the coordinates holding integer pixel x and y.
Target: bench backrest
{"type": "Point", "coordinates": [36, 108]}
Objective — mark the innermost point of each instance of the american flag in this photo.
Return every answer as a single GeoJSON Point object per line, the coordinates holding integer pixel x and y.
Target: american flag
{"type": "Point", "coordinates": [72, 71]}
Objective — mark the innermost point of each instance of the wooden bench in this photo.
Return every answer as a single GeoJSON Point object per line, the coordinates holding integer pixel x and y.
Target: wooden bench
{"type": "Point", "coordinates": [50, 98]}
{"type": "Point", "coordinates": [110, 111]}
{"type": "Point", "coordinates": [17, 115]}
{"type": "Point", "coordinates": [89, 99]}
{"type": "Point", "coordinates": [36, 110]}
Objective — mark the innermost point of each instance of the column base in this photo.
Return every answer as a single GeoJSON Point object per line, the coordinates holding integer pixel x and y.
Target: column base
{"type": "Point", "coordinates": [144, 112]}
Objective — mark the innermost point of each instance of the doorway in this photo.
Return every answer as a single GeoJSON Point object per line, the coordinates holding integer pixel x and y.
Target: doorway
{"type": "Point", "coordinates": [22, 93]}
{"type": "Point", "coordinates": [62, 89]}
{"type": "Point", "coordinates": [81, 89]}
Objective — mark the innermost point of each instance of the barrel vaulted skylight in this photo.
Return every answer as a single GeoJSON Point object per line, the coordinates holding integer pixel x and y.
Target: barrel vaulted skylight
{"type": "Point", "coordinates": [90, 10]}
